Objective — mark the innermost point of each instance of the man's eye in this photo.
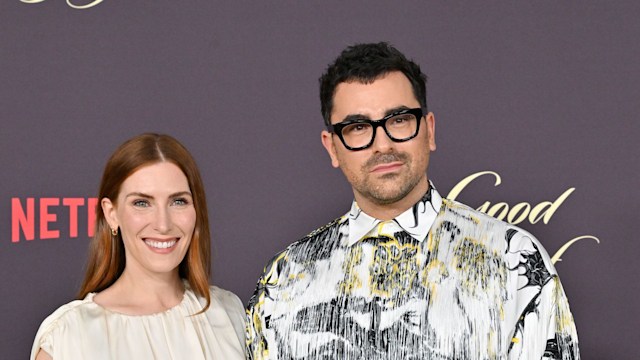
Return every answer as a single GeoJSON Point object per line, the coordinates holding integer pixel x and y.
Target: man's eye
{"type": "Point", "coordinates": [356, 128]}
{"type": "Point", "coordinates": [402, 118]}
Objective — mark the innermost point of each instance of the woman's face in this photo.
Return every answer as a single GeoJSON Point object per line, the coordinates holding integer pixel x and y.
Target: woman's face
{"type": "Point", "coordinates": [156, 217]}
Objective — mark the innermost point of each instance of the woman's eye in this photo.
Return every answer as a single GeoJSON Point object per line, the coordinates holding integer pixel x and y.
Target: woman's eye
{"type": "Point", "coordinates": [140, 203]}
{"type": "Point", "coordinates": [180, 202]}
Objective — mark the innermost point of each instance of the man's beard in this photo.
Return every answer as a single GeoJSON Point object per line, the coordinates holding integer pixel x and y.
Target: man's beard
{"type": "Point", "coordinates": [382, 194]}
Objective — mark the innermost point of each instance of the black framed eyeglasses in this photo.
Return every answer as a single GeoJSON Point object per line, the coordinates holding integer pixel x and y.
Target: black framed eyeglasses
{"type": "Point", "coordinates": [358, 134]}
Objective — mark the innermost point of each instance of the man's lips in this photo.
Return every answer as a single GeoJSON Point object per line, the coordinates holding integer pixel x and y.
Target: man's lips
{"type": "Point", "coordinates": [387, 167]}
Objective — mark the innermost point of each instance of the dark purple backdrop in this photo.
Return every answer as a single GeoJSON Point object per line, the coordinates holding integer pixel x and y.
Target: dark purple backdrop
{"type": "Point", "coordinates": [545, 94]}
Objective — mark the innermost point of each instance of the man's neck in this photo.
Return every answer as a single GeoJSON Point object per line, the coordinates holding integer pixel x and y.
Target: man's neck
{"type": "Point", "coordinates": [390, 211]}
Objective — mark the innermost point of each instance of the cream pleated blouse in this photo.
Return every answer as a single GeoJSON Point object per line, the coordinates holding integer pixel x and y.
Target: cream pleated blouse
{"type": "Point", "coordinates": [83, 329]}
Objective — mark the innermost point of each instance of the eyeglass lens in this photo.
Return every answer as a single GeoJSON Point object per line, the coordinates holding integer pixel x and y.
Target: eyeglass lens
{"type": "Point", "coordinates": [399, 127]}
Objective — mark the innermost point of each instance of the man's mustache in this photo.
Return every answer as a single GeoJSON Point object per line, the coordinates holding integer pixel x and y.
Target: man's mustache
{"type": "Point", "coordinates": [385, 159]}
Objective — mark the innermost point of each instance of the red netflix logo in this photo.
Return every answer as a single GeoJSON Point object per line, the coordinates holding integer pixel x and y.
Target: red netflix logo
{"type": "Point", "coordinates": [23, 216]}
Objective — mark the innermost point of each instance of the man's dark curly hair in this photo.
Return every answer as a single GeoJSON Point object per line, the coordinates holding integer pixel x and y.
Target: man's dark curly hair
{"type": "Point", "coordinates": [365, 63]}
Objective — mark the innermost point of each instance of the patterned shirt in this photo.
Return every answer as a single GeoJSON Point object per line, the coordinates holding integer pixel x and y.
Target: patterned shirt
{"type": "Point", "coordinates": [440, 281]}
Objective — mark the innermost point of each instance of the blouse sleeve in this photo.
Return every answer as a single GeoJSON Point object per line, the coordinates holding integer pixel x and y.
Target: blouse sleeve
{"type": "Point", "coordinates": [50, 327]}
{"type": "Point", "coordinates": [42, 341]}
{"type": "Point", "coordinates": [234, 309]}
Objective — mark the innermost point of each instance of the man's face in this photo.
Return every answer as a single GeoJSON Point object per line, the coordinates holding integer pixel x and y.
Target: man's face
{"type": "Point", "coordinates": [388, 171]}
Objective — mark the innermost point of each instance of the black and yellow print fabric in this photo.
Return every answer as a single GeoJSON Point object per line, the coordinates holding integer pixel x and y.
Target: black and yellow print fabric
{"type": "Point", "coordinates": [473, 288]}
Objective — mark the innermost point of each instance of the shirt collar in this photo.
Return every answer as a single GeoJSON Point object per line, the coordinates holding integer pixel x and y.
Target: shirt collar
{"type": "Point", "coordinates": [416, 220]}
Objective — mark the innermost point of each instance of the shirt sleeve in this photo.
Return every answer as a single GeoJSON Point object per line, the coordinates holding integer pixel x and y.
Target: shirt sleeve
{"type": "Point", "coordinates": [546, 329]}
{"type": "Point", "coordinates": [258, 311]}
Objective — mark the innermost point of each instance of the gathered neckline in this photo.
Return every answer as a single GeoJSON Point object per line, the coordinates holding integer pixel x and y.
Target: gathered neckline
{"type": "Point", "coordinates": [90, 297]}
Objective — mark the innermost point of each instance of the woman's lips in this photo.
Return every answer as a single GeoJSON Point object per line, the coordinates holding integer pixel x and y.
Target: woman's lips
{"type": "Point", "coordinates": [161, 244]}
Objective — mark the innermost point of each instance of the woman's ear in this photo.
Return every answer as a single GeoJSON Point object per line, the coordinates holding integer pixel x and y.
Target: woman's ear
{"type": "Point", "coordinates": [109, 210]}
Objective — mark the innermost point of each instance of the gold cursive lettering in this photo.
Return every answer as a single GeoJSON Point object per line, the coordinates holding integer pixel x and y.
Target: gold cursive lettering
{"type": "Point", "coordinates": [539, 211]}
{"type": "Point", "coordinates": [69, 2]}
{"type": "Point", "coordinates": [558, 254]}
{"type": "Point", "coordinates": [524, 207]}
{"type": "Point", "coordinates": [519, 212]}
{"type": "Point", "coordinates": [453, 194]}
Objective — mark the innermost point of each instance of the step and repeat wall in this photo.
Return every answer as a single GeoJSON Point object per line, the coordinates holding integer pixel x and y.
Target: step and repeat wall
{"type": "Point", "coordinates": [536, 107]}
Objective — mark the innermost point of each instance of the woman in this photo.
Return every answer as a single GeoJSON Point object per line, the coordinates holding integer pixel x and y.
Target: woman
{"type": "Point", "coordinates": [146, 292]}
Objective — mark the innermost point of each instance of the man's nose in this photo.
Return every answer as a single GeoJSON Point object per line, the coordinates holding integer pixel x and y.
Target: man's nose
{"type": "Point", "coordinates": [381, 141]}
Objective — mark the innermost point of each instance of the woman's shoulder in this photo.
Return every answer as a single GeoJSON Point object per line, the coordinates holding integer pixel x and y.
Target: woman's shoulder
{"type": "Point", "coordinates": [228, 301]}
{"type": "Point", "coordinates": [225, 297]}
{"type": "Point", "coordinates": [222, 301]}
{"type": "Point", "coordinates": [226, 308]}
{"type": "Point", "coordinates": [62, 320]}
{"type": "Point", "coordinates": [68, 311]}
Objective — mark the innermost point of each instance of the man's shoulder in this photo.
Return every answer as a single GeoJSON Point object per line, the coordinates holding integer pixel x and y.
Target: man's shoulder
{"type": "Point", "coordinates": [475, 218]}
{"type": "Point", "coordinates": [514, 239]}
{"type": "Point", "coordinates": [313, 245]}
{"type": "Point", "coordinates": [465, 212]}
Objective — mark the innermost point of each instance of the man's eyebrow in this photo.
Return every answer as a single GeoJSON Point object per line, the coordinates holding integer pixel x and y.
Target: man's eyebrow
{"type": "Point", "coordinates": [353, 117]}
{"type": "Point", "coordinates": [396, 109]}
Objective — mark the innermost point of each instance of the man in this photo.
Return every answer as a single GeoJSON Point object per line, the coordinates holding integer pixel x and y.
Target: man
{"type": "Point", "coordinates": [405, 274]}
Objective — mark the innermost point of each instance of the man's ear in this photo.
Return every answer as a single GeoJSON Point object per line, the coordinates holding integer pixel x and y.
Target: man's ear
{"type": "Point", "coordinates": [431, 126]}
{"type": "Point", "coordinates": [109, 210]}
{"type": "Point", "coordinates": [327, 142]}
